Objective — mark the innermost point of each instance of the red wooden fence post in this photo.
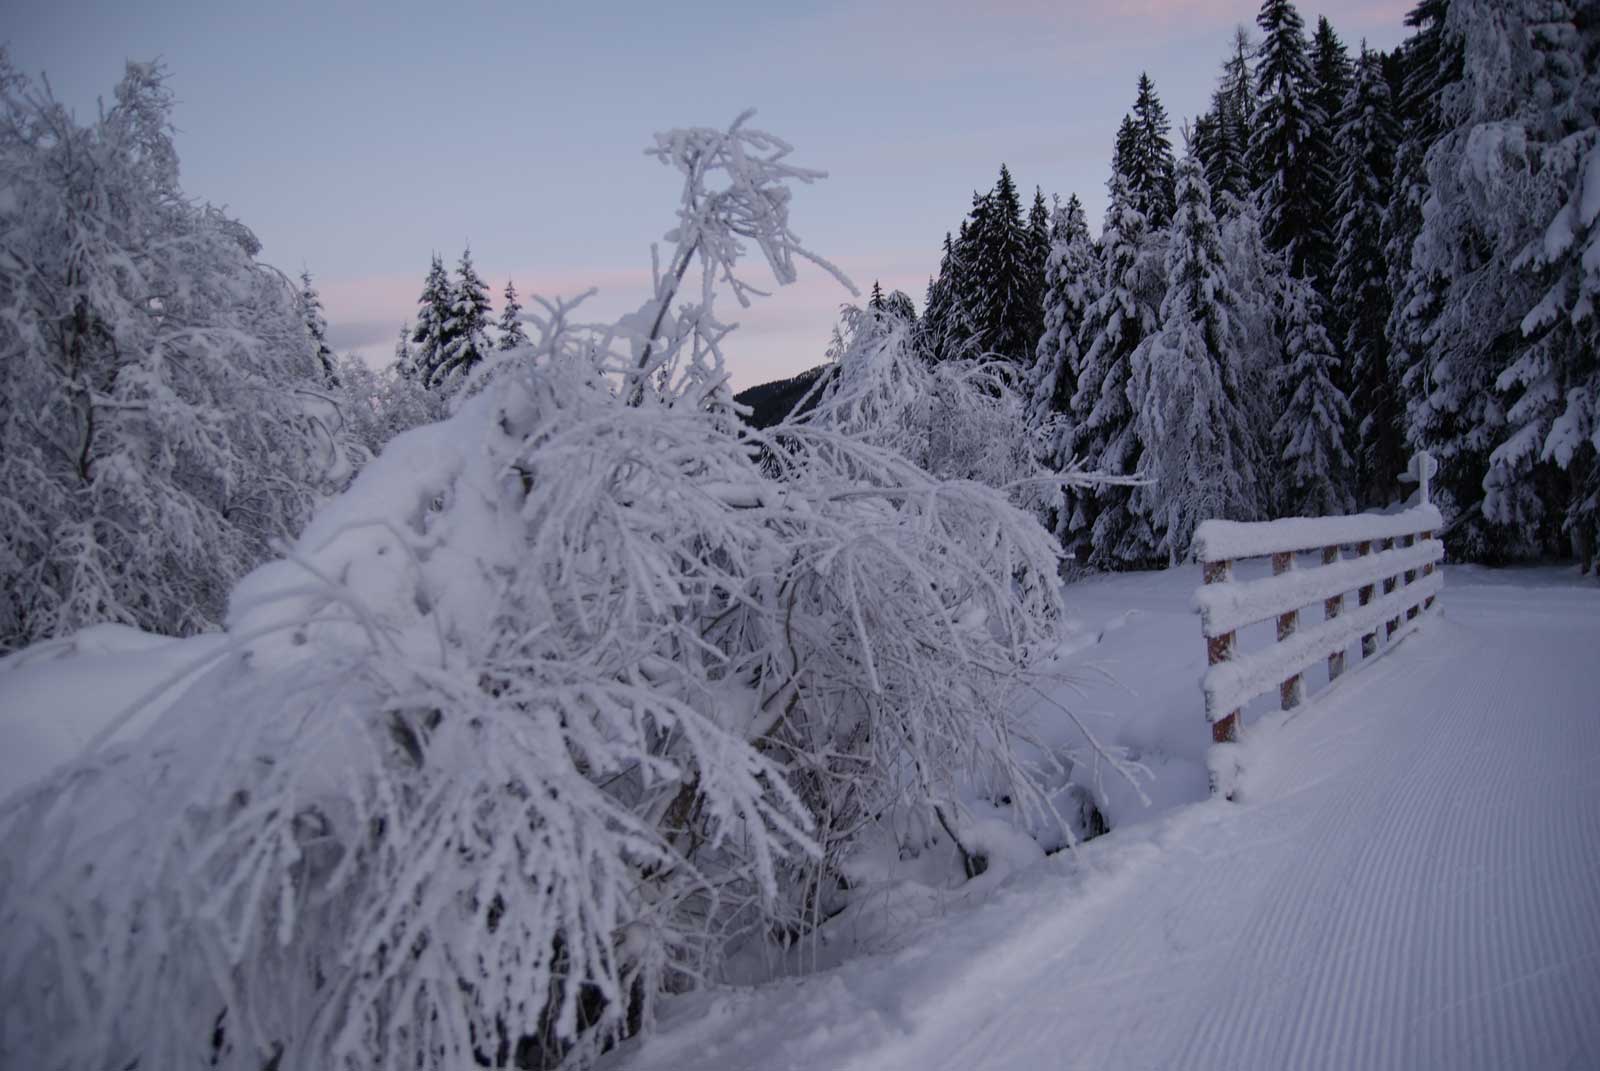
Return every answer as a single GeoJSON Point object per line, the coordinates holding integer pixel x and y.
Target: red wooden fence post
{"type": "Point", "coordinates": [1427, 570]}
{"type": "Point", "coordinates": [1332, 608]}
{"type": "Point", "coordinates": [1411, 578]}
{"type": "Point", "coordinates": [1291, 691]}
{"type": "Point", "coordinates": [1221, 649]}
{"type": "Point", "coordinates": [1369, 642]}
{"type": "Point", "coordinates": [1393, 623]}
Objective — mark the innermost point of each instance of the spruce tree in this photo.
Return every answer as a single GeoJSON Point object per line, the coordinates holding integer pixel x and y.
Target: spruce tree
{"type": "Point", "coordinates": [512, 334]}
{"type": "Point", "coordinates": [1360, 288]}
{"type": "Point", "coordinates": [435, 310]}
{"type": "Point", "coordinates": [1331, 75]}
{"type": "Point", "coordinates": [1287, 120]}
{"type": "Point", "coordinates": [1221, 136]}
{"type": "Point", "coordinates": [405, 362]}
{"type": "Point", "coordinates": [468, 326]}
{"type": "Point", "coordinates": [1001, 297]}
{"type": "Point", "coordinates": [1193, 419]}
{"type": "Point", "coordinates": [875, 300]}
{"type": "Point", "coordinates": [939, 333]}
{"type": "Point", "coordinates": [1311, 430]}
{"type": "Point", "coordinates": [1153, 181]}
{"type": "Point", "coordinates": [1104, 433]}
{"type": "Point", "coordinates": [317, 327]}
{"type": "Point", "coordinates": [1071, 280]}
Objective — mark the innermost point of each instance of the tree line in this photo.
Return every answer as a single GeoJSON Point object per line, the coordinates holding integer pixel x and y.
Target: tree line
{"type": "Point", "coordinates": [1357, 256]}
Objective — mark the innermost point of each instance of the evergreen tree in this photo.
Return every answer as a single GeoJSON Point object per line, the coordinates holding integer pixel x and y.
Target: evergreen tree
{"type": "Point", "coordinates": [1000, 297]}
{"type": "Point", "coordinates": [435, 310]}
{"type": "Point", "coordinates": [1071, 278]}
{"type": "Point", "coordinates": [1143, 156]}
{"type": "Point", "coordinates": [1360, 289]}
{"type": "Point", "coordinates": [1331, 76]}
{"type": "Point", "coordinates": [1222, 135]}
{"type": "Point", "coordinates": [940, 334]}
{"type": "Point", "coordinates": [405, 362]}
{"type": "Point", "coordinates": [317, 328]}
{"type": "Point", "coordinates": [467, 329]}
{"type": "Point", "coordinates": [1312, 426]}
{"type": "Point", "coordinates": [1192, 418]}
{"type": "Point", "coordinates": [1286, 121]}
{"type": "Point", "coordinates": [875, 300]}
{"type": "Point", "coordinates": [1104, 433]}
{"type": "Point", "coordinates": [1485, 381]}
{"type": "Point", "coordinates": [511, 333]}
{"type": "Point", "coordinates": [1038, 254]}
{"type": "Point", "coordinates": [1541, 481]}
{"type": "Point", "coordinates": [898, 304]}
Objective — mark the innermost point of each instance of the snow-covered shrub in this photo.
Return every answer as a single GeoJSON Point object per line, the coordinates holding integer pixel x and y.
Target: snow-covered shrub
{"type": "Point", "coordinates": [162, 414]}
{"type": "Point", "coordinates": [564, 694]}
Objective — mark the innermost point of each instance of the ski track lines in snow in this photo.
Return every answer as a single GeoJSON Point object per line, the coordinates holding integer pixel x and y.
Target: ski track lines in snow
{"type": "Point", "coordinates": [1411, 880]}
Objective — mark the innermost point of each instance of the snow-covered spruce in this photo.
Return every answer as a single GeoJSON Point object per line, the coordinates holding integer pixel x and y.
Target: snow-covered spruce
{"type": "Point", "coordinates": [567, 692]}
{"type": "Point", "coordinates": [1186, 378]}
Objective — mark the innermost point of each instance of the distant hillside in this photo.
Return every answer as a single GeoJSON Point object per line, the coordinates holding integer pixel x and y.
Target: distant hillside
{"type": "Point", "coordinates": [771, 402]}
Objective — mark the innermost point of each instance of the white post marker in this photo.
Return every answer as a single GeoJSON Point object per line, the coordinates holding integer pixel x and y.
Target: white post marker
{"type": "Point", "coordinates": [1423, 467]}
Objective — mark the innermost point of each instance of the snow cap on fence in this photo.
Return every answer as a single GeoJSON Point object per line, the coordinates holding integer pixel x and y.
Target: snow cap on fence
{"type": "Point", "coordinates": [1216, 541]}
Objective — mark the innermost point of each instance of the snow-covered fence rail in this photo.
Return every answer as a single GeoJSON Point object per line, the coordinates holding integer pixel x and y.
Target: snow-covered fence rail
{"type": "Point", "coordinates": [1396, 552]}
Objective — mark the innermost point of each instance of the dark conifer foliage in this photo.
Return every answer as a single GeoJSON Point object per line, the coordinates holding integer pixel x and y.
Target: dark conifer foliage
{"type": "Point", "coordinates": [1289, 183]}
{"type": "Point", "coordinates": [317, 328]}
{"type": "Point", "coordinates": [1364, 148]}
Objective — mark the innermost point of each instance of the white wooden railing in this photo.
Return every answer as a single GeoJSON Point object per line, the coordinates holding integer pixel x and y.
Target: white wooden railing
{"type": "Point", "coordinates": [1397, 552]}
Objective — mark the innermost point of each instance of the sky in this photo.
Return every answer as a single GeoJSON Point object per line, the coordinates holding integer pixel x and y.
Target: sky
{"type": "Point", "coordinates": [358, 139]}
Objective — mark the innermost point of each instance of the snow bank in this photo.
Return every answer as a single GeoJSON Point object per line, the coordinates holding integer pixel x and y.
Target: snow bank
{"type": "Point", "coordinates": [1216, 541]}
{"type": "Point", "coordinates": [56, 697]}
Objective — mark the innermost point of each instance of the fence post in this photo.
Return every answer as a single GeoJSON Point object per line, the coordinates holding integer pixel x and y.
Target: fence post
{"type": "Point", "coordinates": [1291, 691]}
{"type": "Point", "coordinates": [1411, 578]}
{"type": "Point", "coordinates": [1390, 626]}
{"type": "Point", "coordinates": [1427, 570]}
{"type": "Point", "coordinates": [1332, 608]}
{"type": "Point", "coordinates": [1221, 649]}
{"type": "Point", "coordinates": [1369, 642]}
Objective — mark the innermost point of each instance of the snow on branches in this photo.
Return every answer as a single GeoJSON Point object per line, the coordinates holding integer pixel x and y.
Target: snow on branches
{"type": "Point", "coordinates": [566, 693]}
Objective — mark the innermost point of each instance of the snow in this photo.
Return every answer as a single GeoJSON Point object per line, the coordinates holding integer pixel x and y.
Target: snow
{"type": "Point", "coordinates": [1225, 607]}
{"type": "Point", "coordinates": [56, 697]}
{"type": "Point", "coordinates": [1410, 879]}
{"type": "Point", "coordinates": [1217, 541]}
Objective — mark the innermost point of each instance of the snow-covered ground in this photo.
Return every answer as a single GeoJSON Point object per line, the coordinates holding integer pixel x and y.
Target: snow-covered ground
{"type": "Point", "coordinates": [1409, 879]}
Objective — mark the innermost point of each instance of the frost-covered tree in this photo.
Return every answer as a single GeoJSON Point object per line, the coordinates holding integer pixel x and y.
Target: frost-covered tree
{"type": "Point", "coordinates": [466, 333]}
{"type": "Point", "coordinates": [941, 331]}
{"type": "Point", "coordinates": [162, 416]}
{"type": "Point", "coordinates": [1286, 163]}
{"type": "Point", "coordinates": [1552, 384]}
{"type": "Point", "coordinates": [567, 692]}
{"type": "Point", "coordinates": [1360, 304]}
{"type": "Point", "coordinates": [1193, 420]}
{"type": "Point", "coordinates": [378, 404]}
{"type": "Point", "coordinates": [317, 327]}
{"type": "Point", "coordinates": [1071, 279]}
{"type": "Point", "coordinates": [1311, 430]}
{"type": "Point", "coordinates": [1104, 430]}
{"type": "Point", "coordinates": [431, 335]}
{"type": "Point", "coordinates": [1511, 89]}
{"type": "Point", "coordinates": [511, 332]}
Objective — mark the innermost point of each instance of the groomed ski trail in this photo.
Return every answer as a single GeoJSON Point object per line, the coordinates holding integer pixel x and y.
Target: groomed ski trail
{"type": "Point", "coordinates": [1411, 879]}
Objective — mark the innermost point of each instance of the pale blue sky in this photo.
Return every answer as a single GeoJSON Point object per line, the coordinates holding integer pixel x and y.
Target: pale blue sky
{"type": "Point", "coordinates": [355, 139]}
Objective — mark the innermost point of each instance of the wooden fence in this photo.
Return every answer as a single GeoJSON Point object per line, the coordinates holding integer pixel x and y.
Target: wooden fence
{"type": "Point", "coordinates": [1396, 553]}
